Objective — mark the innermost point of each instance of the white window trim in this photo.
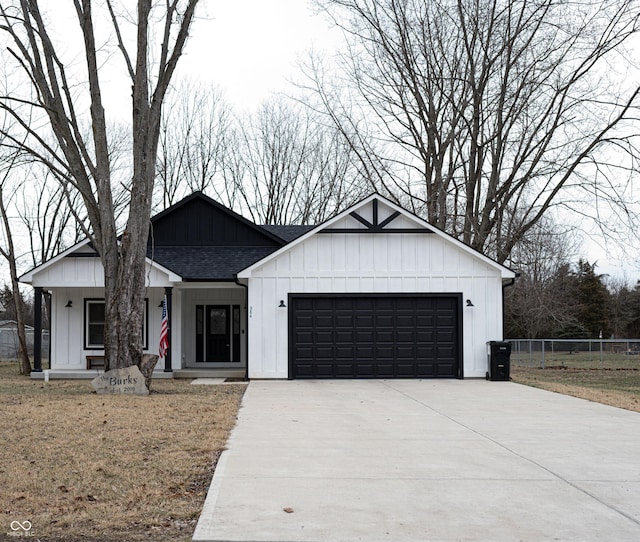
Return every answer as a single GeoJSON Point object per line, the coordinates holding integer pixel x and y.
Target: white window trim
{"type": "Point", "coordinates": [145, 324]}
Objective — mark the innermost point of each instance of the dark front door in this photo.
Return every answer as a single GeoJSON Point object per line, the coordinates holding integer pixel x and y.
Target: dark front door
{"type": "Point", "coordinates": [218, 344]}
{"type": "Point", "coordinates": [217, 333]}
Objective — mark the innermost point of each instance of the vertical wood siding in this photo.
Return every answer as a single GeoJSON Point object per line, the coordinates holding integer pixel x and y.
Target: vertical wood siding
{"type": "Point", "coordinates": [371, 263]}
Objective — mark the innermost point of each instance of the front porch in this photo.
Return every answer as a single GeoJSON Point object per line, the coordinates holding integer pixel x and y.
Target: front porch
{"type": "Point", "coordinates": [206, 326]}
{"type": "Point", "coordinates": [62, 374]}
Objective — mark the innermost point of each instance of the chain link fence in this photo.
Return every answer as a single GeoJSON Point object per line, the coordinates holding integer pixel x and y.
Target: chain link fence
{"type": "Point", "coordinates": [576, 353]}
{"type": "Point", "coordinates": [9, 345]}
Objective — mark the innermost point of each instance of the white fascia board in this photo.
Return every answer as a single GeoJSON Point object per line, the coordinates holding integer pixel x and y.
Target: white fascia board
{"type": "Point", "coordinates": [27, 278]}
{"type": "Point", "coordinates": [505, 272]}
{"type": "Point", "coordinates": [172, 277]}
{"type": "Point", "coordinates": [246, 273]}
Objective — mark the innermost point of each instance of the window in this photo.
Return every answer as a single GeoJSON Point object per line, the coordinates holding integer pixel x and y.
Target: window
{"type": "Point", "coordinates": [94, 319]}
{"type": "Point", "coordinates": [95, 323]}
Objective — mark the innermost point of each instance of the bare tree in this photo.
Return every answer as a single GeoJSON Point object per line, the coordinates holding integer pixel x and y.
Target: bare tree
{"type": "Point", "coordinates": [539, 303]}
{"type": "Point", "coordinates": [47, 213]}
{"type": "Point", "coordinates": [8, 252]}
{"type": "Point", "coordinates": [85, 163]}
{"type": "Point", "coordinates": [484, 114]}
{"type": "Point", "coordinates": [286, 167]}
{"type": "Point", "coordinates": [193, 139]}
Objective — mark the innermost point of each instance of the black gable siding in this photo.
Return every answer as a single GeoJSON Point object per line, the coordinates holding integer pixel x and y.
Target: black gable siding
{"type": "Point", "coordinates": [199, 222]}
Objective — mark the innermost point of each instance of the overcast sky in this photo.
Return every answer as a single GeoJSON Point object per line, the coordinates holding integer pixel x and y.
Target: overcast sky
{"type": "Point", "coordinates": [249, 48]}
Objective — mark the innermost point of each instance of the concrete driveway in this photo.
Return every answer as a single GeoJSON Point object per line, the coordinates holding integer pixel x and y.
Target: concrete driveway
{"type": "Point", "coordinates": [411, 460]}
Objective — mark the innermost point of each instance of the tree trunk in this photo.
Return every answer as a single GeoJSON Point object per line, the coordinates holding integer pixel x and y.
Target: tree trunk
{"type": "Point", "coordinates": [23, 352]}
{"type": "Point", "coordinates": [83, 162]}
{"type": "Point", "coordinates": [10, 256]}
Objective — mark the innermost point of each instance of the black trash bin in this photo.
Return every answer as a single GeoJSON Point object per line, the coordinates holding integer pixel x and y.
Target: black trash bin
{"type": "Point", "coordinates": [499, 360]}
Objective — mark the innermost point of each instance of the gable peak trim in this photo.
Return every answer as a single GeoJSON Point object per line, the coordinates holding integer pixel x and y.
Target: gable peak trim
{"type": "Point", "coordinates": [375, 226]}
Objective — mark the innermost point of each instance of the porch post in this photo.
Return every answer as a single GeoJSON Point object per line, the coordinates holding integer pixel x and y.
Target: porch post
{"type": "Point", "coordinates": [167, 357]}
{"type": "Point", "coordinates": [37, 332]}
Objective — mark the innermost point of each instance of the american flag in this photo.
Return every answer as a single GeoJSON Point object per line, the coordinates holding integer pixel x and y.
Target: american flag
{"type": "Point", "coordinates": [164, 331]}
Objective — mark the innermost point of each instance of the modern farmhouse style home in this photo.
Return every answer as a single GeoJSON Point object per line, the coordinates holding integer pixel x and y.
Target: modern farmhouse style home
{"type": "Point", "coordinates": [374, 292]}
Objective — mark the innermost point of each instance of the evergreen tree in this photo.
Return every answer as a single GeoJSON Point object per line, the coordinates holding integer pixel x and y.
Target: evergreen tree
{"type": "Point", "coordinates": [632, 328]}
{"type": "Point", "coordinates": [592, 298]}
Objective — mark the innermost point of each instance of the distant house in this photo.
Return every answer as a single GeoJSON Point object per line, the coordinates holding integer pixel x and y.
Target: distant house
{"type": "Point", "coordinates": [12, 325]}
{"type": "Point", "coordinates": [9, 338]}
{"type": "Point", "coordinates": [374, 292]}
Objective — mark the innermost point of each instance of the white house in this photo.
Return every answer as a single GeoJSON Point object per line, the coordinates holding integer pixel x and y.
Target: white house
{"type": "Point", "coordinates": [374, 292]}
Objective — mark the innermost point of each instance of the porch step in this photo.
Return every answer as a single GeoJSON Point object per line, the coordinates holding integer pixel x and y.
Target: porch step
{"type": "Point", "coordinates": [90, 374]}
{"type": "Point", "coordinates": [209, 373]}
{"type": "Point", "coordinates": [82, 374]}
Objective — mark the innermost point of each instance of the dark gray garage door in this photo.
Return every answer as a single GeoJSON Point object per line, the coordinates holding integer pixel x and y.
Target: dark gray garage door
{"type": "Point", "coordinates": [368, 336]}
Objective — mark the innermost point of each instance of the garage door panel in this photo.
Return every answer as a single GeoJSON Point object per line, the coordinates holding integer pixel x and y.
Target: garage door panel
{"type": "Point", "coordinates": [304, 337]}
{"type": "Point", "coordinates": [384, 336]}
{"type": "Point", "coordinates": [405, 320]}
{"type": "Point", "coordinates": [344, 370]}
{"type": "Point", "coordinates": [344, 320]}
{"type": "Point", "coordinates": [425, 336]}
{"type": "Point", "coordinates": [374, 336]}
{"type": "Point", "coordinates": [445, 336]}
{"type": "Point", "coordinates": [363, 352]}
{"type": "Point", "coordinates": [324, 321]}
{"type": "Point", "coordinates": [405, 303]}
{"type": "Point", "coordinates": [323, 370]}
{"type": "Point", "coordinates": [304, 320]}
{"type": "Point", "coordinates": [344, 337]}
{"type": "Point", "coordinates": [306, 370]}
{"type": "Point", "coordinates": [405, 336]}
{"type": "Point", "coordinates": [443, 369]}
{"type": "Point", "coordinates": [365, 370]}
{"type": "Point", "coordinates": [304, 355]}
{"type": "Point", "coordinates": [444, 351]}
{"type": "Point", "coordinates": [425, 370]}
{"type": "Point", "coordinates": [384, 370]}
{"type": "Point", "coordinates": [405, 352]}
{"type": "Point", "coordinates": [425, 320]}
{"type": "Point", "coordinates": [384, 320]}
{"type": "Point", "coordinates": [324, 352]}
{"type": "Point", "coordinates": [364, 337]}
{"type": "Point", "coordinates": [364, 320]}
{"type": "Point", "coordinates": [343, 304]}
{"type": "Point", "coordinates": [344, 352]}
{"type": "Point", "coordinates": [405, 369]}
{"type": "Point", "coordinates": [425, 352]}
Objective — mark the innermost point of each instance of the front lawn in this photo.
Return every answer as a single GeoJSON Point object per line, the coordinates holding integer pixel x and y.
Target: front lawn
{"type": "Point", "coordinates": [616, 387]}
{"type": "Point", "coordinates": [81, 466]}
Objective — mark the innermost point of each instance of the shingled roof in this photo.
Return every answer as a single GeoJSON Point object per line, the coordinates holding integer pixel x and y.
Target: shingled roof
{"type": "Point", "coordinates": [202, 240]}
{"type": "Point", "coordinates": [287, 233]}
{"type": "Point", "coordinates": [207, 263]}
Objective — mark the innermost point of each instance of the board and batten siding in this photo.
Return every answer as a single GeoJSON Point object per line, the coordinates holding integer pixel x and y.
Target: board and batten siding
{"type": "Point", "coordinates": [371, 263]}
{"type": "Point", "coordinates": [68, 350]}
{"type": "Point", "coordinates": [76, 278]}
{"type": "Point", "coordinates": [87, 272]}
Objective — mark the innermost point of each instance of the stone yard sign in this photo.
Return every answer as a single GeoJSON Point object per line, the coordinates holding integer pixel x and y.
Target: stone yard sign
{"type": "Point", "coordinates": [127, 381]}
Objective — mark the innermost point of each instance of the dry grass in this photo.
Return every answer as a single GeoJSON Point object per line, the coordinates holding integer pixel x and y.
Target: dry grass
{"type": "Point", "coordinates": [82, 466]}
{"type": "Point", "coordinates": [615, 387]}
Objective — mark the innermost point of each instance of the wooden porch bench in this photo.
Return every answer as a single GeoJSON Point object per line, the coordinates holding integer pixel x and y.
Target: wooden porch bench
{"type": "Point", "coordinates": [95, 362]}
